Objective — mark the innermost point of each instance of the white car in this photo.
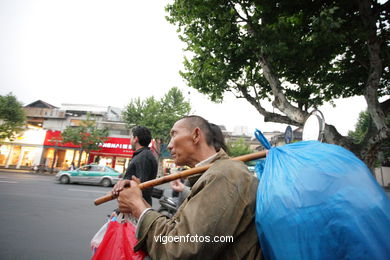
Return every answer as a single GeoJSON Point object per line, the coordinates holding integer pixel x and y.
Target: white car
{"type": "Point", "coordinates": [92, 173]}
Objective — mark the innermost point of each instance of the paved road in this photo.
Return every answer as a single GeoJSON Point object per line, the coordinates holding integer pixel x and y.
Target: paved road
{"type": "Point", "coordinates": [42, 219]}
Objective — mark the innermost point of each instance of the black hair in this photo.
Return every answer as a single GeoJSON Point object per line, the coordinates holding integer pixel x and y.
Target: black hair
{"type": "Point", "coordinates": [143, 134]}
{"type": "Point", "coordinates": [218, 138]}
{"type": "Point", "coordinates": [212, 132]}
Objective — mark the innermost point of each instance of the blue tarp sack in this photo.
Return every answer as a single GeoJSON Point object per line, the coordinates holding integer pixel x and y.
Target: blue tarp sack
{"type": "Point", "coordinates": [319, 201]}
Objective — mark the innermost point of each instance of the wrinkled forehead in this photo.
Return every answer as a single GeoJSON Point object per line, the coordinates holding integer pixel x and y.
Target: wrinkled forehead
{"type": "Point", "coordinates": [180, 126]}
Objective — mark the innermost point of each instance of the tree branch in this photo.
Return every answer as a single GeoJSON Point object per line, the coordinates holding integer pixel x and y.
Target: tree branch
{"type": "Point", "coordinates": [333, 136]}
{"type": "Point", "coordinates": [280, 102]}
{"type": "Point", "coordinates": [236, 11]}
{"type": "Point", "coordinates": [268, 116]}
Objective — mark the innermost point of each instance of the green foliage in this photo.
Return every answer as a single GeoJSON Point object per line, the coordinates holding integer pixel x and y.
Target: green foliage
{"type": "Point", "coordinates": [318, 47]}
{"type": "Point", "coordinates": [238, 148]}
{"type": "Point", "coordinates": [297, 54]}
{"type": "Point", "coordinates": [157, 115]}
{"type": "Point", "coordinates": [87, 135]}
{"type": "Point", "coordinates": [12, 116]}
{"type": "Point", "coordinates": [361, 127]}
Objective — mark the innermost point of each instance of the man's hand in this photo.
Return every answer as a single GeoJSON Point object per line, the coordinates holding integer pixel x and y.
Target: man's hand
{"type": "Point", "coordinates": [119, 186]}
{"type": "Point", "coordinates": [177, 185]}
{"type": "Point", "coordinates": [130, 200]}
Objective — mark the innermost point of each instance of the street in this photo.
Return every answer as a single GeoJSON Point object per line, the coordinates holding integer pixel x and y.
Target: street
{"type": "Point", "coordinates": [43, 220]}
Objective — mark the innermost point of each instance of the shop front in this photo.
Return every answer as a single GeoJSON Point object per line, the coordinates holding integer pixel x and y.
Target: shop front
{"type": "Point", "coordinates": [24, 151]}
{"type": "Point", "coordinates": [115, 152]}
{"type": "Point", "coordinates": [59, 155]}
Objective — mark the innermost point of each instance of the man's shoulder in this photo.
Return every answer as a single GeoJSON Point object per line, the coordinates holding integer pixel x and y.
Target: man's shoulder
{"type": "Point", "coordinates": [149, 154]}
{"type": "Point", "coordinates": [229, 175]}
{"type": "Point", "coordinates": [229, 164]}
{"type": "Point", "coordinates": [146, 153]}
{"type": "Point", "coordinates": [229, 169]}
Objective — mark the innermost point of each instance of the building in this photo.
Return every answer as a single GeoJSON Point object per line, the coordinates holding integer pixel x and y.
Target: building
{"type": "Point", "coordinates": [251, 141]}
{"type": "Point", "coordinates": [41, 143]}
{"type": "Point", "coordinates": [278, 140]}
{"type": "Point", "coordinates": [25, 150]}
{"type": "Point", "coordinates": [115, 151]}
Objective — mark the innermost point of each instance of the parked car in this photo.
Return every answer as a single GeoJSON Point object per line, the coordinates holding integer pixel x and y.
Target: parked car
{"type": "Point", "coordinates": [91, 173]}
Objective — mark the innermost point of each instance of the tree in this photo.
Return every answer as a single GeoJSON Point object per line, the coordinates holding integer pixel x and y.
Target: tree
{"type": "Point", "coordinates": [363, 125]}
{"type": "Point", "coordinates": [157, 115]}
{"type": "Point", "coordinates": [86, 135]}
{"type": "Point", "coordinates": [238, 148]}
{"type": "Point", "coordinates": [12, 116]}
{"type": "Point", "coordinates": [297, 54]}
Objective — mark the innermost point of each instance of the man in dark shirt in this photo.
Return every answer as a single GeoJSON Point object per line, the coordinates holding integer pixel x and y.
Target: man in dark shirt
{"type": "Point", "coordinates": [143, 165]}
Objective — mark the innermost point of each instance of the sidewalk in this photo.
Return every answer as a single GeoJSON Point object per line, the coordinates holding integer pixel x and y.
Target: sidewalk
{"type": "Point", "coordinates": [25, 171]}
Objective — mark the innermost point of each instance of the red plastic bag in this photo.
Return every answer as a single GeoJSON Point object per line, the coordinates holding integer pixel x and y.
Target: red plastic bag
{"type": "Point", "coordinates": [118, 243]}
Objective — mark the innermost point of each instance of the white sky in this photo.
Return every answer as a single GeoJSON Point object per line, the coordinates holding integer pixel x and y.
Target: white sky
{"type": "Point", "coordinates": [107, 52]}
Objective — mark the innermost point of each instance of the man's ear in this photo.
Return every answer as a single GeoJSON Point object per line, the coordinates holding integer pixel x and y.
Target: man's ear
{"type": "Point", "coordinates": [136, 139]}
{"type": "Point", "coordinates": [196, 135]}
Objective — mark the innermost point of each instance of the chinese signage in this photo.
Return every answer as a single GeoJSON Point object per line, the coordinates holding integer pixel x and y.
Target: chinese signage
{"type": "Point", "coordinates": [116, 146]}
{"type": "Point", "coordinates": [113, 146]}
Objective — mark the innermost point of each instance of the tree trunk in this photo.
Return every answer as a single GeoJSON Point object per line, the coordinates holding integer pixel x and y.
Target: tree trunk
{"type": "Point", "coordinates": [366, 151]}
{"type": "Point", "coordinates": [54, 161]}
{"type": "Point", "coordinates": [280, 101]}
{"type": "Point", "coordinates": [375, 139]}
{"type": "Point", "coordinates": [74, 156]}
{"type": "Point", "coordinates": [88, 152]}
{"type": "Point", "coordinates": [80, 155]}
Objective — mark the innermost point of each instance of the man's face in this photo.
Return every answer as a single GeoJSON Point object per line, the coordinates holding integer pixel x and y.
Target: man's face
{"type": "Point", "coordinates": [133, 141]}
{"type": "Point", "coordinates": [181, 144]}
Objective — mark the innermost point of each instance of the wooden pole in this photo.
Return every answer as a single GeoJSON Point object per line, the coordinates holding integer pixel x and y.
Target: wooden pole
{"type": "Point", "coordinates": [182, 174]}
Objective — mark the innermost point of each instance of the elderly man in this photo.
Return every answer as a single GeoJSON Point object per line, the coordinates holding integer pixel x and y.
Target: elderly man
{"type": "Point", "coordinates": [216, 221]}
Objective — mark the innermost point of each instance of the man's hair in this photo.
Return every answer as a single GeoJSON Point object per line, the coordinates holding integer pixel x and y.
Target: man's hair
{"type": "Point", "coordinates": [218, 138]}
{"type": "Point", "coordinates": [143, 134]}
{"type": "Point", "coordinates": [212, 132]}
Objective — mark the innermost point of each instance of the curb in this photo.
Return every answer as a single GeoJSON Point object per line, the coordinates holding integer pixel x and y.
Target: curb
{"type": "Point", "coordinates": [17, 171]}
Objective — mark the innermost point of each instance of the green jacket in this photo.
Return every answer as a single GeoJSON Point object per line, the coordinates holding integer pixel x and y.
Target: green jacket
{"type": "Point", "coordinates": [222, 202]}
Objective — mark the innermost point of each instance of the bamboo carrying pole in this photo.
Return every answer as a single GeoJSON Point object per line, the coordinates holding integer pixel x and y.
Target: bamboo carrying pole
{"type": "Point", "coordinates": [182, 174]}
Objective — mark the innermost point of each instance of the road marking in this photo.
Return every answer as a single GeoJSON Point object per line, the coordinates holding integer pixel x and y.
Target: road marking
{"type": "Point", "coordinates": [9, 181]}
{"type": "Point", "coordinates": [94, 191]}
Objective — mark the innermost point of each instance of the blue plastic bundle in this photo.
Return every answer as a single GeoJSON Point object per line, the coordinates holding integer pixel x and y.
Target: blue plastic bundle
{"type": "Point", "coordinates": [319, 201]}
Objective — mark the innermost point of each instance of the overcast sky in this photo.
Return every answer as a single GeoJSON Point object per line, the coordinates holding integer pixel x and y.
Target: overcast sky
{"type": "Point", "coordinates": [107, 52]}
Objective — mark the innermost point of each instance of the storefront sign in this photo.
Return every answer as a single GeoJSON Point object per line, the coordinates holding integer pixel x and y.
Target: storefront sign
{"type": "Point", "coordinates": [54, 138]}
{"type": "Point", "coordinates": [116, 146]}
